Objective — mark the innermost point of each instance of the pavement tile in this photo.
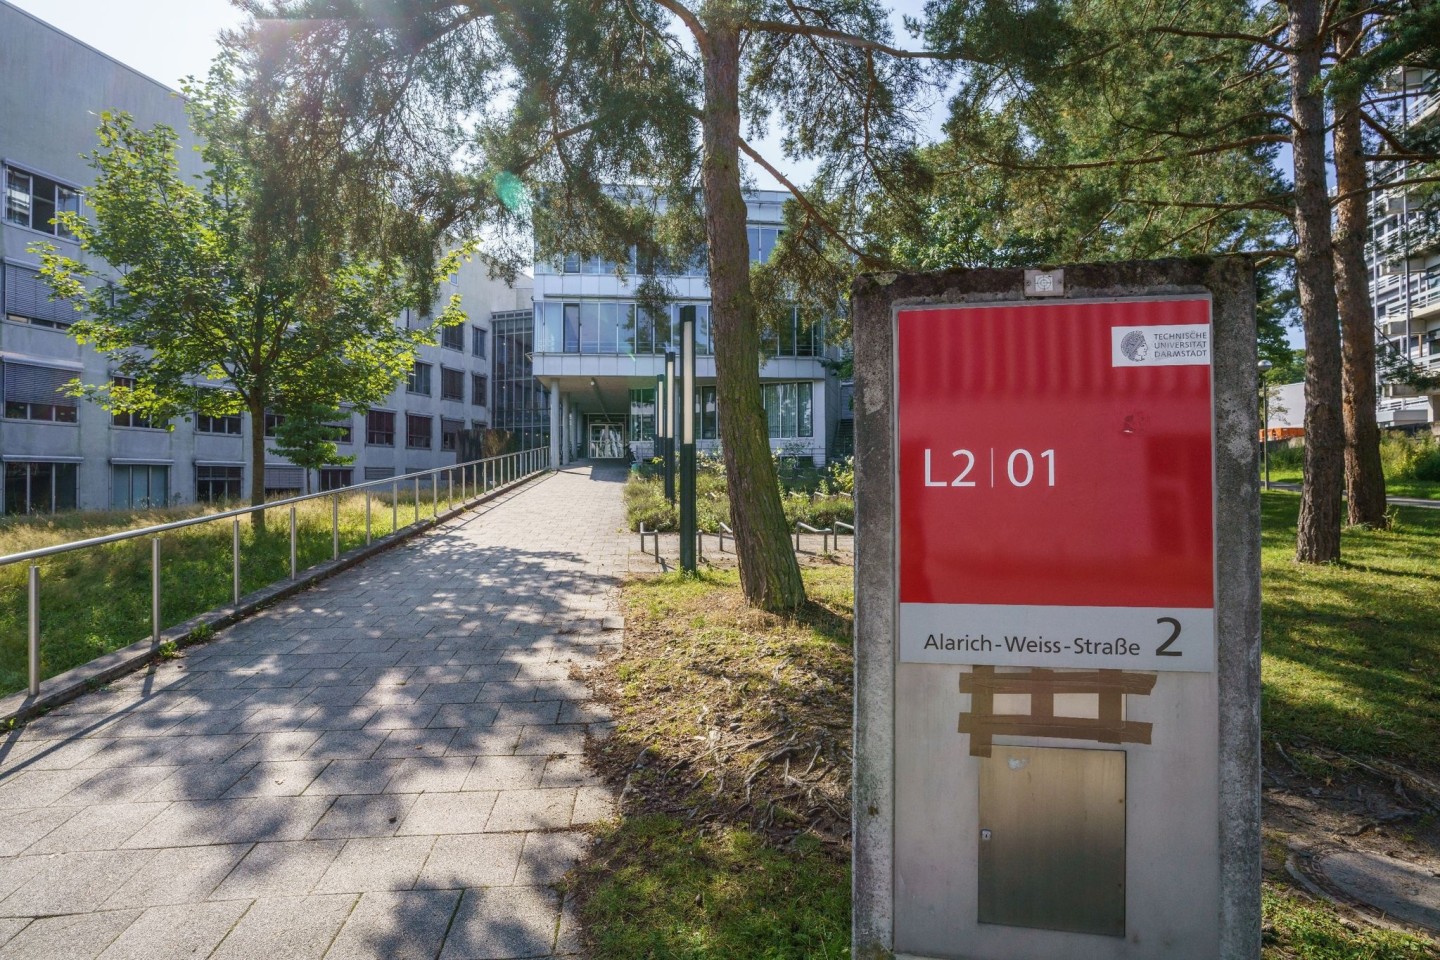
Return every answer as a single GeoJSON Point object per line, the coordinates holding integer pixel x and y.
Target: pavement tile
{"type": "Point", "coordinates": [9, 928]}
{"type": "Point", "coordinates": [277, 746]}
{"type": "Point", "coordinates": [342, 777]}
{"type": "Point", "coordinates": [339, 717]}
{"type": "Point", "coordinates": [279, 870]}
{"type": "Point", "coordinates": [76, 937]}
{"type": "Point", "coordinates": [287, 928]}
{"type": "Point", "coordinates": [19, 757]}
{"type": "Point", "coordinates": [568, 770]}
{"type": "Point", "coordinates": [116, 785]}
{"type": "Point", "coordinates": [430, 775]}
{"type": "Point", "coordinates": [283, 778]}
{"type": "Point", "coordinates": [404, 716]}
{"type": "Point", "coordinates": [593, 805]}
{"type": "Point", "coordinates": [505, 773]}
{"type": "Point", "coordinates": [441, 813]}
{"type": "Point", "coordinates": [176, 932]}
{"type": "Point", "coordinates": [71, 882]}
{"type": "Point", "coordinates": [416, 743]}
{"type": "Point", "coordinates": [178, 875]}
{"type": "Point", "coordinates": [465, 715]}
{"type": "Point", "coordinates": [380, 863]}
{"type": "Point", "coordinates": [548, 856]}
{"type": "Point", "coordinates": [98, 827]}
{"type": "Point", "coordinates": [550, 741]}
{"type": "Point", "coordinates": [484, 741]}
{"type": "Point", "coordinates": [345, 745]}
{"type": "Point", "coordinates": [472, 860]}
{"type": "Point", "coordinates": [531, 810]}
{"type": "Point", "coordinates": [396, 926]}
{"type": "Point", "coordinates": [518, 691]}
{"type": "Point", "coordinates": [20, 828]}
{"type": "Point", "coordinates": [40, 788]}
{"type": "Point", "coordinates": [249, 819]}
{"type": "Point", "coordinates": [504, 922]}
{"type": "Point", "coordinates": [527, 714]}
{"type": "Point", "coordinates": [196, 781]}
{"type": "Point", "coordinates": [363, 816]}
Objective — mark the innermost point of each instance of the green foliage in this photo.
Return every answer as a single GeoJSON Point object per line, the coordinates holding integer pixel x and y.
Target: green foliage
{"type": "Point", "coordinates": [1410, 457]}
{"type": "Point", "coordinates": [167, 650]}
{"type": "Point", "coordinates": [673, 891]}
{"type": "Point", "coordinates": [1301, 928]}
{"type": "Point", "coordinates": [308, 436]}
{"type": "Point", "coordinates": [243, 279]}
{"type": "Point", "coordinates": [809, 496]}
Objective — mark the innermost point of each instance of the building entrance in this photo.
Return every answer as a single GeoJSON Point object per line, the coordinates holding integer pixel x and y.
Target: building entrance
{"type": "Point", "coordinates": [607, 441]}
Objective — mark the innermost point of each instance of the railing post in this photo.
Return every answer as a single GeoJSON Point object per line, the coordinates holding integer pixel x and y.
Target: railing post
{"type": "Point", "coordinates": [450, 489]}
{"type": "Point", "coordinates": [235, 560]}
{"type": "Point", "coordinates": [34, 612]}
{"type": "Point", "coordinates": [294, 569]}
{"type": "Point", "coordinates": [155, 590]}
{"type": "Point", "coordinates": [367, 516]}
{"type": "Point", "coordinates": [394, 507]}
{"type": "Point", "coordinates": [335, 527]}
{"type": "Point", "coordinates": [434, 495]}
{"type": "Point", "coordinates": [417, 498]}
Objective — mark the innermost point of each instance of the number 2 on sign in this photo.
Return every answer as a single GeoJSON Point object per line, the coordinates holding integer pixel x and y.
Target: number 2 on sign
{"type": "Point", "coordinates": [1019, 468]}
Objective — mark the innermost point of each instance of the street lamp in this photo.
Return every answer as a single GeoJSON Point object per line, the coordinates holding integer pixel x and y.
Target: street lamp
{"type": "Point", "coordinates": [1264, 366]}
{"type": "Point", "coordinates": [669, 454]}
{"type": "Point", "coordinates": [687, 439]}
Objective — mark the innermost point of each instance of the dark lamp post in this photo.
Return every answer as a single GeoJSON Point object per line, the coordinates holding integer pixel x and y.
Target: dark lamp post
{"type": "Point", "coordinates": [687, 439]}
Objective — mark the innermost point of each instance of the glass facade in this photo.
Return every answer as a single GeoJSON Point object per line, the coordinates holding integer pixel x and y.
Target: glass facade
{"type": "Point", "coordinates": [39, 487]}
{"type": "Point", "coordinates": [519, 405]}
{"type": "Point", "coordinates": [138, 486]}
{"type": "Point", "coordinates": [788, 409]}
{"type": "Point", "coordinates": [642, 414]}
{"type": "Point", "coordinates": [615, 327]}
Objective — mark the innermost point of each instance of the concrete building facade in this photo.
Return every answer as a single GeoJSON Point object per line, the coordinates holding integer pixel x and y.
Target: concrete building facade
{"type": "Point", "coordinates": [63, 453]}
{"type": "Point", "coordinates": [598, 354]}
{"type": "Point", "coordinates": [1405, 290]}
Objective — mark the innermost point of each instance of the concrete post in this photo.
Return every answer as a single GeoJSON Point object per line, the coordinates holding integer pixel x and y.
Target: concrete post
{"type": "Point", "coordinates": [555, 425]}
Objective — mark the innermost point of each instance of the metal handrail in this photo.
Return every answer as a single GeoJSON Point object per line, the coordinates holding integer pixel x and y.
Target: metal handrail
{"type": "Point", "coordinates": [488, 473]}
{"type": "Point", "coordinates": [801, 525]}
{"type": "Point", "coordinates": [725, 531]}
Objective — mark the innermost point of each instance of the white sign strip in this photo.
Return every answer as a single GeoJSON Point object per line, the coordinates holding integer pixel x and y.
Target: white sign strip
{"type": "Point", "coordinates": [1174, 345]}
{"type": "Point", "coordinates": [1178, 639]}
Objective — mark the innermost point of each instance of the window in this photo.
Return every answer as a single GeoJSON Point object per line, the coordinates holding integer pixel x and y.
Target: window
{"type": "Point", "coordinates": [419, 379]}
{"type": "Point", "coordinates": [35, 393]}
{"type": "Point", "coordinates": [642, 414]}
{"type": "Point", "coordinates": [34, 201]}
{"type": "Point", "coordinates": [453, 338]}
{"type": "Point", "coordinates": [452, 384]}
{"type": "Point", "coordinates": [228, 424]}
{"type": "Point", "coordinates": [131, 419]}
{"type": "Point", "coordinates": [379, 473]}
{"type": "Point", "coordinates": [709, 422]}
{"type": "Point", "coordinates": [479, 390]}
{"type": "Point", "coordinates": [284, 481]}
{"type": "Point", "coordinates": [139, 486]}
{"type": "Point", "coordinates": [450, 434]}
{"type": "Point", "coordinates": [478, 338]}
{"type": "Point", "coordinates": [333, 478]}
{"type": "Point", "coordinates": [39, 487]}
{"type": "Point", "coordinates": [418, 431]}
{"type": "Point", "coordinates": [27, 300]}
{"type": "Point", "coordinates": [217, 484]}
{"type": "Point", "coordinates": [787, 409]}
{"type": "Point", "coordinates": [272, 423]}
{"type": "Point", "coordinates": [344, 431]}
{"type": "Point", "coordinates": [380, 428]}
{"type": "Point", "coordinates": [762, 242]}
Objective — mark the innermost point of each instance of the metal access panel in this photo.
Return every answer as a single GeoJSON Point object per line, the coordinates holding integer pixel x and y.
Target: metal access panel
{"type": "Point", "coordinates": [1052, 839]}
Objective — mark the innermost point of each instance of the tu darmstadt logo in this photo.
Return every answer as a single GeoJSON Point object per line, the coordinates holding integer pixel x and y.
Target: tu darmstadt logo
{"type": "Point", "coordinates": [1135, 347]}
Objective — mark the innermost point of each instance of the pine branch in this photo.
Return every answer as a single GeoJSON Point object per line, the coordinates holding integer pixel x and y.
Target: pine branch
{"type": "Point", "coordinates": [848, 39]}
{"type": "Point", "coordinates": [1391, 185]}
{"type": "Point", "coordinates": [1251, 38]}
{"type": "Point", "coordinates": [1140, 161]}
{"type": "Point", "coordinates": [803, 200]}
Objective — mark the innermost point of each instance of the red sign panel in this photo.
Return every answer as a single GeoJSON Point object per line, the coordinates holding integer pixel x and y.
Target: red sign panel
{"type": "Point", "coordinates": [1056, 483]}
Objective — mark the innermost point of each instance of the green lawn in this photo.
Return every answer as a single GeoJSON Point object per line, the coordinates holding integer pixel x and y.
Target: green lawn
{"type": "Point", "coordinates": [1349, 665]}
{"type": "Point", "coordinates": [1413, 489]}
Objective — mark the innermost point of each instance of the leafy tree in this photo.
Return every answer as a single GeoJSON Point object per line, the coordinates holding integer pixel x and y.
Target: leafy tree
{"type": "Point", "coordinates": [246, 278]}
{"type": "Point", "coordinates": [1152, 113]}
{"type": "Point", "coordinates": [627, 121]}
{"type": "Point", "coordinates": [308, 436]}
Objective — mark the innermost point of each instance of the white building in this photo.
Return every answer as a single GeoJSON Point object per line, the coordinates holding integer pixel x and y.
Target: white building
{"type": "Point", "coordinates": [62, 453]}
{"type": "Point", "coordinates": [598, 355]}
{"type": "Point", "coordinates": [1405, 291]}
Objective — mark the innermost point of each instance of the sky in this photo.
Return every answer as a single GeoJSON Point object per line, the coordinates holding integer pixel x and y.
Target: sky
{"type": "Point", "coordinates": [169, 40]}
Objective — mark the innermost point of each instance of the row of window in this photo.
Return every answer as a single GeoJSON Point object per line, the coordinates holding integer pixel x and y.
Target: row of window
{"type": "Point", "coordinates": [762, 244]}
{"type": "Point", "coordinates": [453, 338]}
{"type": "Point", "coordinates": [34, 392]}
{"type": "Point", "coordinates": [33, 202]}
{"type": "Point", "coordinates": [452, 383]}
{"type": "Point", "coordinates": [627, 329]}
{"type": "Point", "coordinates": [789, 411]}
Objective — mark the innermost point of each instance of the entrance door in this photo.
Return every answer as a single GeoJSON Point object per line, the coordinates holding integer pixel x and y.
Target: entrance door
{"type": "Point", "coordinates": [607, 441]}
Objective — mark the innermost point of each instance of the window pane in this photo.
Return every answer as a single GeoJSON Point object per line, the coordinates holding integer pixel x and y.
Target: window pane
{"type": "Point", "coordinates": [66, 486]}
{"type": "Point", "coordinates": [771, 397]}
{"type": "Point", "coordinates": [589, 327]}
{"type": "Point", "coordinates": [572, 328]}
{"type": "Point", "coordinates": [804, 393]}
{"type": "Point", "coordinates": [607, 337]}
{"type": "Point", "coordinates": [17, 197]}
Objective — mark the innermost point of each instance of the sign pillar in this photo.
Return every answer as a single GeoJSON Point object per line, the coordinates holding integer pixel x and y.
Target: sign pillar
{"type": "Point", "coordinates": [1057, 614]}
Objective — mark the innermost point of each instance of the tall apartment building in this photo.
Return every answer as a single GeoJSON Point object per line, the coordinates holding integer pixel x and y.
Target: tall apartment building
{"type": "Point", "coordinates": [1405, 291]}
{"type": "Point", "coordinates": [598, 353]}
{"type": "Point", "coordinates": [60, 453]}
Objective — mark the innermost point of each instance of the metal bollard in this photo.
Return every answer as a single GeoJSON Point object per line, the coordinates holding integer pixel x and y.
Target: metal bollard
{"type": "Point", "coordinates": [294, 569]}
{"type": "Point", "coordinates": [335, 527]}
{"type": "Point", "coordinates": [155, 590]}
{"type": "Point", "coordinates": [235, 561]}
{"type": "Point", "coordinates": [34, 636]}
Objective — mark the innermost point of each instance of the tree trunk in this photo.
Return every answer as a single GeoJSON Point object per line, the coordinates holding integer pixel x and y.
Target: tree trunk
{"type": "Point", "coordinates": [1317, 537]}
{"type": "Point", "coordinates": [1364, 477]}
{"type": "Point", "coordinates": [257, 462]}
{"type": "Point", "coordinates": [769, 573]}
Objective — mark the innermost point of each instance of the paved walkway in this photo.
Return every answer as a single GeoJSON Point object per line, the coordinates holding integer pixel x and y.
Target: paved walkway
{"type": "Point", "coordinates": [386, 766]}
